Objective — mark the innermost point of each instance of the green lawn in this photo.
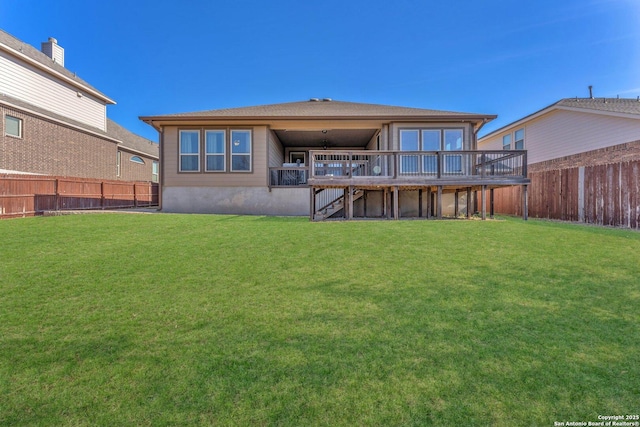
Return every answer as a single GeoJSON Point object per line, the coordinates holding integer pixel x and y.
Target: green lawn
{"type": "Point", "coordinates": [113, 319]}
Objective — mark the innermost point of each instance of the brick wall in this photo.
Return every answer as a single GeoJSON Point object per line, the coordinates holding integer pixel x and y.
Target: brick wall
{"type": "Point", "coordinates": [614, 154]}
{"type": "Point", "coordinates": [131, 171]}
{"type": "Point", "coordinates": [47, 147]}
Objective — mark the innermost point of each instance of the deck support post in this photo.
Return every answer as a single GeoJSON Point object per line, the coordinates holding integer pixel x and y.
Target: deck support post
{"type": "Point", "coordinates": [385, 203]}
{"type": "Point", "coordinates": [525, 203]}
{"type": "Point", "coordinates": [429, 202]}
{"type": "Point", "coordinates": [491, 203]}
{"type": "Point", "coordinates": [484, 202]}
{"type": "Point", "coordinates": [475, 202]}
{"type": "Point", "coordinates": [439, 206]}
{"type": "Point", "coordinates": [468, 202]}
{"type": "Point", "coordinates": [456, 206]}
{"type": "Point", "coordinates": [420, 203]}
{"type": "Point", "coordinates": [364, 203]}
{"type": "Point", "coordinates": [349, 190]}
{"type": "Point", "coordinates": [396, 210]}
{"type": "Point", "coordinates": [312, 203]}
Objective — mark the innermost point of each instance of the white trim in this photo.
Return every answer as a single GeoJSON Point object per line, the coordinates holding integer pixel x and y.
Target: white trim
{"type": "Point", "coordinates": [20, 134]}
{"type": "Point", "coordinates": [180, 154]}
{"type": "Point", "coordinates": [141, 162]}
{"type": "Point", "coordinates": [61, 122]}
{"type": "Point", "coordinates": [250, 154]}
{"type": "Point", "coordinates": [134, 151]}
{"type": "Point", "coordinates": [223, 154]}
{"type": "Point", "coordinates": [55, 73]}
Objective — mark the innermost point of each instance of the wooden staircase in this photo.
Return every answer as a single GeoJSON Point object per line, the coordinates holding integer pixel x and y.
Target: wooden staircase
{"type": "Point", "coordinates": [335, 206]}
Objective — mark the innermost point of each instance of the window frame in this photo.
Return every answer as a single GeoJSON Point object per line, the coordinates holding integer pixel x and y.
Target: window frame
{"type": "Point", "coordinates": [507, 145]}
{"type": "Point", "coordinates": [249, 154]}
{"type": "Point", "coordinates": [134, 159]}
{"type": "Point", "coordinates": [181, 154]}
{"type": "Point", "coordinates": [516, 140]}
{"type": "Point", "coordinates": [428, 158]}
{"type": "Point", "coordinates": [223, 154]}
{"type": "Point", "coordinates": [20, 126]}
{"type": "Point", "coordinates": [155, 168]}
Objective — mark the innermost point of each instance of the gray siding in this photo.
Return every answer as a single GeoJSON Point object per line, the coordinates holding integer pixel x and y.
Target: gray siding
{"type": "Point", "coordinates": [276, 152]}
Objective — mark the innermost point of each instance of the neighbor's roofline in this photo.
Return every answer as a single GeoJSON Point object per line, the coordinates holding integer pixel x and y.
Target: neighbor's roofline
{"type": "Point", "coordinates": [49, 70]}
{"type": "Point", "coordinates": [553, 107]}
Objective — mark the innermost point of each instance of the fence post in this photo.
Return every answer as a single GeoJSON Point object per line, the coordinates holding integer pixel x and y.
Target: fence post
{"type": "Point", "coordinates": [102, 195]}
{"type": "Point", "coordinates": [57, 194]}
{"type": "Point", "coordinates": [135, 196]}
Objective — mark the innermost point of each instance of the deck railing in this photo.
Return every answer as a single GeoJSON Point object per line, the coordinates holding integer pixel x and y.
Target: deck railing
{"type": "Point", "coordinates": [295, 176]}
{"type": "Point", "coordinates": [424, 164]}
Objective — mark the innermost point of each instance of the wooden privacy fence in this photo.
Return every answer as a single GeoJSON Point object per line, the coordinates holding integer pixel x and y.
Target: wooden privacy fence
{"type": "Point", "coordinates": [603, 194]}
{"type": "Point", "coordinates": [29, 195]}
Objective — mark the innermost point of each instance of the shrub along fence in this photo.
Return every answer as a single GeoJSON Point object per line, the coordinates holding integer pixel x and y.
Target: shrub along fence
{"type": "Point", "coordinates": [29, 195]}
{"type": "Point", "coordinates": [602, 194]}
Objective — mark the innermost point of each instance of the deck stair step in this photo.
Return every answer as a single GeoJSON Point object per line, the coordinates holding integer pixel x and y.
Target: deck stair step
{"type": "Point", "coordinates": [336, 206]}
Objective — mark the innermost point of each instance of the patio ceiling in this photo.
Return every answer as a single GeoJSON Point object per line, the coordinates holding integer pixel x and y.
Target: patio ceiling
{"type": "Point", "coordinates": [332, 138]}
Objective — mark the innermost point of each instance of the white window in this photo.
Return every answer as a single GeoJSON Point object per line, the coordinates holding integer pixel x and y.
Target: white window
{"type": "Point", "coordinates": [519, 139]}
{"type": "Point", "coordinates": [240, 151]}
{"type": "Point", "coordinates": [506, 142]}
{"type": "Point", "coordinates": [118, 159]}
{"type": "Point", "coordinates": [409, 141]}
{"type": "Point", "coordinates": [214, 151]}
{"type": "Point", "coordinates": [13, 126]}
{"type": "Point", "coordinates": [137, 159]}
{"type": "Point", "coordinates": [453, 142]}
{"type": "Point", "coordinates": [189, 151]}
{"type": "Point", "coordinates": [154, 171]}
{"type": "Point", "coordinates": [431, 140]}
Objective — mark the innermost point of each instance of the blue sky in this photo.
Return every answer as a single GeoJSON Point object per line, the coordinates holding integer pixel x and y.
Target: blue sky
{"type": "Point", "coordinates": [502, 57]}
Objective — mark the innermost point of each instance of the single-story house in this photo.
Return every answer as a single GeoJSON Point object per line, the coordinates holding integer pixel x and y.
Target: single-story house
{"type": "Point", "coordinates": [328, 159]}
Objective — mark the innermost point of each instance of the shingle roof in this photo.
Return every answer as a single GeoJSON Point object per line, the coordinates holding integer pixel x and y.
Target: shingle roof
{"type": "Point", "coordinates": [628, 107]}
{"type": "Point", "coordinates": [614, 105]}
{"type": "Point", "coordinates": [131, 140]}
{"type": "Point", "coordinates": [34, 54]}
{"type": "Point", "coordinates": [322, 109]}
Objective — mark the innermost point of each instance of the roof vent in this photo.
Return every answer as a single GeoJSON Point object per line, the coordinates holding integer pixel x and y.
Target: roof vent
{"type": "Point", "coordinates": [327, 99]}
{"type": "Point", "coordinates": [53, 50]}
{"type": "Point", "coordinates": [314, 100]}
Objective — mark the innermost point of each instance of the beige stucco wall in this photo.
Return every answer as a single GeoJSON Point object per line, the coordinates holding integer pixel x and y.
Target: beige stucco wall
{"type": "Point", "coordinates": [562, 133]}
{"type": "Point", "coordinates": [237, 200]}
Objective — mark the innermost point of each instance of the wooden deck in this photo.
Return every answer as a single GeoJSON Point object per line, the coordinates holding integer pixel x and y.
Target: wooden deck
{"type": "Point", "coordinates": [337, 179]}
{"type": "Point", "coordinates": [351, 174]}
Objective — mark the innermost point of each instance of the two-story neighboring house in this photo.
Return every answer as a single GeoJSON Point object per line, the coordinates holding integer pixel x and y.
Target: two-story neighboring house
{"type": "Point", "coordinates": [583, 155]}
{"type": "Point", "coordinates": [329, 159]}
{"type": "Point", "coordinates": [54, 123]}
